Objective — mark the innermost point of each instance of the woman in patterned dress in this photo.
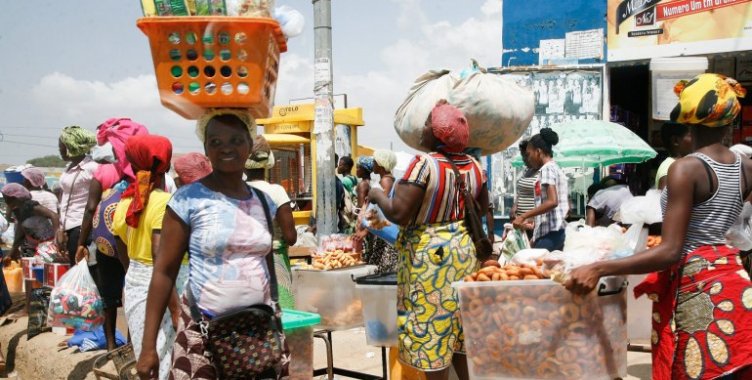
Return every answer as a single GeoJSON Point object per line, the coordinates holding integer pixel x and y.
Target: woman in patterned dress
{"type": "Point", "coordinates": [702, 296]}
{"type": "Point", "coordinates": [434, 246]}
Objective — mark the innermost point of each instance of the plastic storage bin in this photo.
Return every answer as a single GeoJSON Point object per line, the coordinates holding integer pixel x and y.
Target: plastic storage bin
{"type": "Point", "coordinates": [639, 313]}
{"type": "Point", "coordinates": [298, 326]}
{"type": "Point", "coordinates": [378, 293]}
{"type": "Point", "coordinates": [331, 294]}
{"type": "Point", "coordinates": [537, 329]}
{"type": "Point", "coordinates": [208, 62]}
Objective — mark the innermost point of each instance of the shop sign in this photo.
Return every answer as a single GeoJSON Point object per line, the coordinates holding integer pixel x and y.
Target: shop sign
{"type": "Point", "coordinates": [643, 29]}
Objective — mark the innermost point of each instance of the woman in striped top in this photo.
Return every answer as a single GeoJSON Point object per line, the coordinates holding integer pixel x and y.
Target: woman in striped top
{"type": "Point", "coordinates": [525, 199]}
{"type": "Point", "coordinates": [702, 296]}
{"type": "Point", "coordinates": [434, 246]}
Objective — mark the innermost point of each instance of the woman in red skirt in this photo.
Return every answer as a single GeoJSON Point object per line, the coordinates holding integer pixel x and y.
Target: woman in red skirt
{"type": "Point", "coordinates": [702, 319]}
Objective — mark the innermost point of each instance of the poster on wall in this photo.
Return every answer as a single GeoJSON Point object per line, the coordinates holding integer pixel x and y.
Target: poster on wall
{"type": "Point", "coordinates": [642, 29]}
{"type": "Point", "coordinates": [560, 96]}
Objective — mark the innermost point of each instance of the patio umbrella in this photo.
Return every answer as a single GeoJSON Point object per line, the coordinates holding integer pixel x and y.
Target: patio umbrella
{"type": "Point", "coordinates": [596, 143]}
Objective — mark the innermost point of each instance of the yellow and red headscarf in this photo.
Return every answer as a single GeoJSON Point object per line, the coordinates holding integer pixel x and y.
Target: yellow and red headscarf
{"type": "Point", "coordinates": [709, 100]}
{"type": "Point", "coordinates": [150, 157]}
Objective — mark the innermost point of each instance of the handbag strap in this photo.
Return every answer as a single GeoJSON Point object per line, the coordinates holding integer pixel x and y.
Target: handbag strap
{"type": "Point", "coordinates": [196, 313]}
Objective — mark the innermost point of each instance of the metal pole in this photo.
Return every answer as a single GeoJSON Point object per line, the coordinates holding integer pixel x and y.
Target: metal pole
{"type": "Point", "coordinates": [323, 125]}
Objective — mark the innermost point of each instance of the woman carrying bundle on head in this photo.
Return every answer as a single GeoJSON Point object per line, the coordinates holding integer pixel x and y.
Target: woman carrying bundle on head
{"type": "Point", "coordinates": [434, 246]}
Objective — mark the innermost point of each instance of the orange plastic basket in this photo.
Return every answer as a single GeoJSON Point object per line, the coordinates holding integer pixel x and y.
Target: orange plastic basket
{"type": "Point", "coordinates": [209, 62]}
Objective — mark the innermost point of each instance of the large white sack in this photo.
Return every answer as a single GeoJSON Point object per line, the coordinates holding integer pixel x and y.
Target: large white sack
{"type": "Point", "coordinates": [497, 109]}
{"type": "Point", "coordinates": [411, 116]}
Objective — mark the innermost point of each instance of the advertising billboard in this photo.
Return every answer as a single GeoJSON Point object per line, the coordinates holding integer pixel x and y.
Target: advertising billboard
{"type": "Point", "coordinates": [643, 29]}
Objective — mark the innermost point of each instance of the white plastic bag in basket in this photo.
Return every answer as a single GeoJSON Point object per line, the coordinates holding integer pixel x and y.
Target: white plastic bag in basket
{"type": "Point", "coordinates": [740, 234]}
{"type": "Point", "coordinates": [643, 210]}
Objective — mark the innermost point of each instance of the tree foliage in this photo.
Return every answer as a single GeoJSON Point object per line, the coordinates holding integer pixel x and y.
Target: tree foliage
{"type": "Point", "coordinates": [51, 161]}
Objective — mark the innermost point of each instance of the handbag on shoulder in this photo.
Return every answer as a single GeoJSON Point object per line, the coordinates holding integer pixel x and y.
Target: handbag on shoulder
{"type": "Point", "coordinates": [249, 342]}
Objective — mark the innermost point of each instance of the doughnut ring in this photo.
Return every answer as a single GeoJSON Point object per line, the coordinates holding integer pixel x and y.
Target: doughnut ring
{"type": "Point", "coordinates": [569, 313]}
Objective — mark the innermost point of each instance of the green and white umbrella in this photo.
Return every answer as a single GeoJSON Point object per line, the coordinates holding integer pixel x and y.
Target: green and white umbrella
{"type": "Point", "coordinates": [596, 143]}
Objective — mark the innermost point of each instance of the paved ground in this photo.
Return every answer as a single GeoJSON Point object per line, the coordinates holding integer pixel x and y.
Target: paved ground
{"type": "Point", "coordinates": [41, 358]}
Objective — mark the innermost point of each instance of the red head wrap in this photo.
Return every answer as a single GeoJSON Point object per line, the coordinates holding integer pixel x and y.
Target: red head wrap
{"type": "Point", "coordinates": [149, 156]}
{"type": "Point", "coordinates": [192, 167]}
{"type": "Point", "coordinates": [450, 127]}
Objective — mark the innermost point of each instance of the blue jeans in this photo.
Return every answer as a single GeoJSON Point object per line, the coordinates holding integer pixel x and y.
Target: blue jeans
{"type": "Point", "coordinates": [552, 241]}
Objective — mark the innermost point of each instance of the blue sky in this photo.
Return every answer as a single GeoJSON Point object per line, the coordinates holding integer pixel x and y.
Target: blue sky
{"type": "Point", "coordinates": [81, 62]}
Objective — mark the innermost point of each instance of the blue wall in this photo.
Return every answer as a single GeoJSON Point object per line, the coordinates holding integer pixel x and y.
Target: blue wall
{"type": "Point", "coordinates": [526, 22]}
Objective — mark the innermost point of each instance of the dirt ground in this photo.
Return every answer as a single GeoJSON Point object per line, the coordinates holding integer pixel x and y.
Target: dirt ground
{"type": "Point", "coordinates": [41, 358]}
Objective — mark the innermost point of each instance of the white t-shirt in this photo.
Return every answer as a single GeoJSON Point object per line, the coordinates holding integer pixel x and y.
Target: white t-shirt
{"type": "Point", "coordinates": [276, 192]}
{"type": "Point", "coordinates": [46, 199]}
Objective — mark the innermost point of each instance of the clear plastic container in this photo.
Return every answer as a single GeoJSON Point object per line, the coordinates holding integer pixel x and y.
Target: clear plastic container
{"type": "Point", "coordinates": [640, 312]}
{"type": "Point", "coordinates": [298, 326]}
{"type": "Point", "coordinates": [537, 329]}
{"type": "Point", "coordinates": [378, 293]}
{"type": "Point", "coordinates": [331, 294]}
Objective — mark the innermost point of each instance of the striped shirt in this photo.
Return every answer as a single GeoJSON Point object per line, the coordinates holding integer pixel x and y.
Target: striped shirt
{"type": "Point", "coordinates": [442, 201]}
{"type": "Point", "coordinates": [554, 220]}
{"type": "Point", "coordinates": [526, 192]}
{"type": "Point", "coordinates": [710, 219]}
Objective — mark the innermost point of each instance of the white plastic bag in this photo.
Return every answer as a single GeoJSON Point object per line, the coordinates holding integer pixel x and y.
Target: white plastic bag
{"type": "Point", "coordinates": [377, 223]}
{"type": "Point", "coordinates": [515, 241]}
{"type": "Point", "coordinates": [497, 109]}
{"type": "Point", "coordinates": [75, 301]}
{"type": "Point", "coordinates": [740, 234]}
{"type": "Point", "coordinates": [290, 20]}
{"type": "Point", "coordinates": [642, 210]}
{"type": "Point", "coordinates": [598, 243]}
{"type": "Point", "coordinates": [411, 116]}
{"type": "Point", "coordinates": [528, 256]}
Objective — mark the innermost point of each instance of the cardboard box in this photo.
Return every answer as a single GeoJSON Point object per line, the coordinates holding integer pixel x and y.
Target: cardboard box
{"type": "Point", "coordinates": [53, 272]}
{"type": "Point", "coordinates": [26, 264]}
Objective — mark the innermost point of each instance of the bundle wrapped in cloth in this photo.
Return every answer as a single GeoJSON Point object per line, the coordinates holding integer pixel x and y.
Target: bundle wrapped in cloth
{"type": "Point", "coordinates": [497, 109]}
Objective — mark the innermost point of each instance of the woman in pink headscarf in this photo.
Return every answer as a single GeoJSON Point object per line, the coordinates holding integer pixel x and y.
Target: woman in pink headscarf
{"type": "Point", "coordinates": [191, 167]}
{"type": "Point", "coordinates": [434, 246]}
{"type": "Point", "coordinates": [34, 181]}
{"type": "Point", "coordinates": [110, 180]}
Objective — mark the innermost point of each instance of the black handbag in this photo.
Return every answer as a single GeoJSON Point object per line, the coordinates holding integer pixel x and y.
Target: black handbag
{"type": "Point", "coordinates": [473, 222]}
{"type": "Point", "coordinates": [250, 342]}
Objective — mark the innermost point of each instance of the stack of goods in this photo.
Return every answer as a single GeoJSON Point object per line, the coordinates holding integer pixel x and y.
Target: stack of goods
{"type": "Point", "coordinates": [75, 301]}
{"type": "Point", "coordinates": [493, 271]}
{"type": "Point", "coordinates": [334, 252]}
{"type": "Point", "coordinates": [242, 8]}
{"type": "Point", "coordinates": [654, 241]}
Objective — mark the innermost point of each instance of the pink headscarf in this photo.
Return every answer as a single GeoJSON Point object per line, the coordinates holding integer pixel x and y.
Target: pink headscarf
{"type": "Point", "coordinates": [117, 131]}
{"type": "Point", "coordinates": [15, 190]}
{"type": "Point", "coordinates": [449, 125]}
{"type": "Point", "coordinates": [34, 176]}
{"type": "Point", "coordinates": [192, 167]}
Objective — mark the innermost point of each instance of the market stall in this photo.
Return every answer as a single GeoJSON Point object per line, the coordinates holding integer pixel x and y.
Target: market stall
{"type": "Point", "coordinates": [289, 132]}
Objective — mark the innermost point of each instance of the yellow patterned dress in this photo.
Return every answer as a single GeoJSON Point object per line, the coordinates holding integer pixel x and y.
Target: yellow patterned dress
{"type": "Point", "coordinates": [434, 251]}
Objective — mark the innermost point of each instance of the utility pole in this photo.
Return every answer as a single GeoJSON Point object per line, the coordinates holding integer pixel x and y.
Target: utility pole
{"type": "Point", "coordinates": [323, 125]}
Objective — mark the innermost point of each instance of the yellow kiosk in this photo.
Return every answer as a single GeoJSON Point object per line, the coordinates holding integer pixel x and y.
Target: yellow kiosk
{"type": "Point", "coordinates": [289, 132]}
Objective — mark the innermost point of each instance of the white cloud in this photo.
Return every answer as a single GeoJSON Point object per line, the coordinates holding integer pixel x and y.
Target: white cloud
{"type": "Point", "coordinates": [438, 44]}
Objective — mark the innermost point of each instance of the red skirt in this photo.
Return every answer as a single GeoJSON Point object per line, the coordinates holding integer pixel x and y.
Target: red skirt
{"type": "Point", "coordinates": [702, 315]}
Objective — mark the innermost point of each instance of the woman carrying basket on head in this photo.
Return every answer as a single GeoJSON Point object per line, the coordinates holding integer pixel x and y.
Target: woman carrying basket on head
{"type": "Point", "coordinates": [222, 223]}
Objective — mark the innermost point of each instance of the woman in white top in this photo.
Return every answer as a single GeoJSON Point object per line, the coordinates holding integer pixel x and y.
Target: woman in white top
{"type": "Point", "coordinates": [75, 143]}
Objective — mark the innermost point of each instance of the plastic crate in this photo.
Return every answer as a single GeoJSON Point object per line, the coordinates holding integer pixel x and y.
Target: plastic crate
{"type": "Point", "coordinates": [378, 293]}
{"type": "Point", "coordinates": [212, 62]}
{"type": "Point", "coordinates": [298, 326]}
{"type": "Point", "coordinates": [536, 329]}
{"type": "Point", "coordinates": [331, 294]}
